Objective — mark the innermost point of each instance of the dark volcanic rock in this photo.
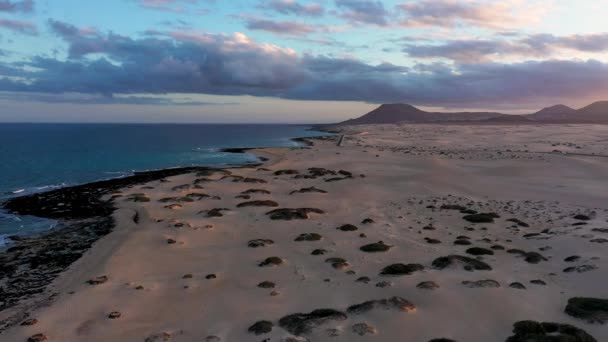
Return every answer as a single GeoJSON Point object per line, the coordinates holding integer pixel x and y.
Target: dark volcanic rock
{"type": "Point", "coordinates": [255, 191]}
{"type": "Point", "coordinates": [266, 285]}
{"type": "Point", "coordinates": [252, 180]}
{"type": "Point", "coordinates": [260, 243]}
{"type": "Point", "coordinates": [37, 338]}
{"type": "Point", "coordinates": [393, 303]}
{"type": "Point", "coordinates": [453, 207]}
{"type": "Point", "coordinates": [519, 222]}
{"type": "Point", "coordinates": [303, 323]}
{"type": "Point", "coordinates": [138, 198]}
{"type": "Point", "coordinates": [462, 242]}
{"type": "Point", "coordinates": [582, 217]}
{"type": "Point", "coordinates": [338, 263]}
{"type": "Point", "coordinates": [469, 264]}
{"type": "Point", "coordinates": [162, 337]}
{"type": "Point", "coordinates": [481, 283]}
{"type": "Point", "coordinates": [534, 257]}
{"type": "Point", "coordinates": [517, 285]}
{"type": "Point", "coordinates": [592, 310]}
{"type": "Point", "coordinates": [427, 285]}
{"type": "Point", "coordinates": [572, 258]}
{"type": "Point", "coordinates": [364, 280]}
{"type": "Point", "coordinates": [83, 201]}
{"type": "Point", "coordinates": [309, 237]}
{"type": "Point", "coordinates": [114, 315]}
{"type": "Point", "coordinates": [401, 269]}
{"type": "Point", "coordinates": [347, 228]}
{"type": "Point", "coordinates": [286, 172]}
{"type": "Point", "coordinates": [479, 251]}
{"type": "Point", "coordinates": [216, 212]}
{"type": "Point", "coordinates": [481, 218]}
{"type": "Point", "coordinates": [363, 329]}
{"type": "Point", "coordinates": [376, 247]}
{"type": "Point", "coordinates": [538, 282]}
{"type": "Point", "coordinates": [261, 327]}
{"type": "Point", "coordinates": [29, 322]}
{"type": "Point", "coordinates": [531, 331]}
{"type": "Point", "coordinates": [266, 203]}
{"type": "Point", "coordinates": [293, 214]}
{"type": "Point", "coordinates": [580, 269]}
{"type": "Point", "coordinates": [271, 261]}
{"type": "Point", "coordinates": [385, 283]}
{"type": "Point", "coordinates": [319, 251]}
{"type": "Point", "coordinates": [432, 241]}
{"type": "Point", "coordinates": [97, 280]}
{"type": "Point", "coordinates": [368, 221]}
{"type": "Point", "coordinates": [308, 190]}
{"type": "Point", "coordinates": [196, 196]}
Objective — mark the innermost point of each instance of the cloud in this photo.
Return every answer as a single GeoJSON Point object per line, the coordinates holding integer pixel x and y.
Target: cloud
{"type": "Point", "coordinates": [25, 6]}
{"type": "Point", "coordinates": [480, 13]}
{"type": "Point", "coordinates": [538, 45]}
{"type": "Point", "coordinates": [22, 27]}
{"type": "Point", "coordinates": [293, 7]}
{"type": "Point", "coordinates": [166, 5]}
{"type": "Point", "coordinates": [278, 27]}
{"type": "Point", "coordinates": [188, 62]}
{"type": "Point", "coordinates": [363, 12]}
{"type": "Point", "coordinates": [87, 99]}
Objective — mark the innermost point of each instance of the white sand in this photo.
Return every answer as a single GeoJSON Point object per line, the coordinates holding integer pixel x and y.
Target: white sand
{"type": "Point", "coordinates": [406, 169]}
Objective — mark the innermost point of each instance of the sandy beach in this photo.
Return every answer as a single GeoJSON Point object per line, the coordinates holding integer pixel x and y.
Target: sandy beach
{"type": "Point", "coordinates": [403, 233]}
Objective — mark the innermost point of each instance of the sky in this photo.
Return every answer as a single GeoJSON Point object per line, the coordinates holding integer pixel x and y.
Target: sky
{"type": "Point", "coordinates": [294, 61]}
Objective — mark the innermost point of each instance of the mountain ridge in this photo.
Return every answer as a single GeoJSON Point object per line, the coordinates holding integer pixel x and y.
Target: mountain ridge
{"type": "Point", "coordinates": [405, 113]}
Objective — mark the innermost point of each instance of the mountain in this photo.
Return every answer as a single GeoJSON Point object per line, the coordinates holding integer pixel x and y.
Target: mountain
{"type": "Point", "coordinates": [404, 113]}
{"type": "Point", "coordinates": [389, 113]}
{"type": "Point", "coordinates": [557, 112]}
{"type": "Point", "coordinates": [595, 110]}
{"type": "Point", "coordinates": [400, 112]}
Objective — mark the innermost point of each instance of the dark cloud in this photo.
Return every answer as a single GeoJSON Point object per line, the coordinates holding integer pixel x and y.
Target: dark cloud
{"type": "Point", "coordinates": [278, 27]}
{"type": "Point", "coordinates": [293, 7]}
{"type": "Point", "coordinates": [363, 12]}
{"type": "Point", "coordinates": [18, 26]}
{"type": "Point", "coordinates": [539, 45]}
{"type": "Point", "coordinates": [24, 6]}
{"type": "Point", "coordinates": [188, 63]}
{"type": "Point", "coordinates": [86, 99]}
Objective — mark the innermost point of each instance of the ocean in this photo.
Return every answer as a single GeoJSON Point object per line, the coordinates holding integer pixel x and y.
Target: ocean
{"type": "Point", "coordinates": [42, 157]}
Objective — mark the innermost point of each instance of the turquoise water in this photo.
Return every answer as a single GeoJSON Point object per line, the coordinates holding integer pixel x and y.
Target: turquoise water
{"type": "Point", "coordinates": [41, 157]}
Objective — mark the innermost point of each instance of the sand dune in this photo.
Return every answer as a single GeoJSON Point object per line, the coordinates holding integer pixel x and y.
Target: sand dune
{"type": "Point", "coordinates": [406, 233]}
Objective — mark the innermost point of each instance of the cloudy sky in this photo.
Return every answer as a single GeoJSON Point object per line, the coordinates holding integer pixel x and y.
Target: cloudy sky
{"type": "Point", "coordinates": [294, 60]}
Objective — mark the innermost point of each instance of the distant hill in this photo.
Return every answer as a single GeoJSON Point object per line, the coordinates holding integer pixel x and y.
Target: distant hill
{"type": "Point", "coordinates": [595, 110]}
{"type": "Point", "coordinates": [557, 112]}
{"type": "Point", "coordinates": [399, 112]}
{"type": "Point", "coordinates": [405, 113]}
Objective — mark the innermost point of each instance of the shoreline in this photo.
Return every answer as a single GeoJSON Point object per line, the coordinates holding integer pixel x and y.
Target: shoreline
{"type": "Point", "coordinates": [82, 217]}
{"type": "Point", "coordinates": [208, 257]}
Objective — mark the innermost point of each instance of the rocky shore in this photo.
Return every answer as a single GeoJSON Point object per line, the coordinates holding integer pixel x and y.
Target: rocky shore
{"type": "Point", "coordinates": [84, 212]}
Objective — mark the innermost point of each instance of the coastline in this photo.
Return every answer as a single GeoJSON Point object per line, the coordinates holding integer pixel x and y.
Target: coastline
{"type": "Point", "coordinates": [186, 270]}
{"type": "Point", "coordinates": [84, 215]}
